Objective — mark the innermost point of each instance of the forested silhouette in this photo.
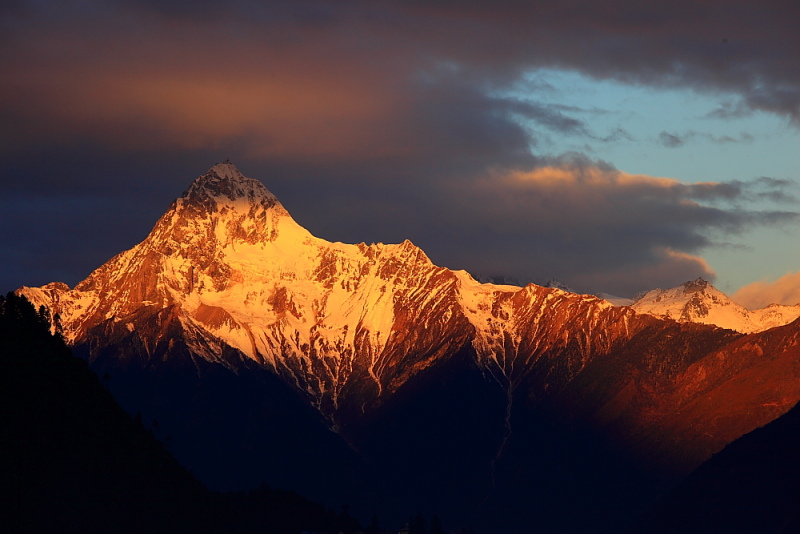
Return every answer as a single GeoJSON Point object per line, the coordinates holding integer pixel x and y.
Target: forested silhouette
{"type": "Point", "coordinates": [72, 460]}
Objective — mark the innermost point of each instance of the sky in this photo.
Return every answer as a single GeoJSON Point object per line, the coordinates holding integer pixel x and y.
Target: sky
{"type": "Point", "coordinates": [616, 146]}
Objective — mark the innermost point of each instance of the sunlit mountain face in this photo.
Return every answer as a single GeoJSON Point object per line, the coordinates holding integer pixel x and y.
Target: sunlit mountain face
{"type": "Point", "coordinates": [365, 374]}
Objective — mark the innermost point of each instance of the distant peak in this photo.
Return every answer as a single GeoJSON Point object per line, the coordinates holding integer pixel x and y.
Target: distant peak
{"type": "Point", "coordinates": [223, 182]}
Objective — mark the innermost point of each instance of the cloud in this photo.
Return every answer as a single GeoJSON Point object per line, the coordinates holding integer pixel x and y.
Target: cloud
{"type": "Point", "coordinates": [764, 188]}
{"type": "Point", "coordinates": [674, 140]}
{"type": "Point", "coordinates": [617, 134]}
{"type": "Point", "coordinates": [784, 290]}
{"type": "Point", "coordinates": [743, 137]}
{"type": "Point", "coordinates": [664, 267]}
{"type": "Point", "coordinates": [303, 77]}
{"type": "Point", "coordinates": [379, 121]}
{"type": "Point", "coordinates": [736, 47]}
{"type": "Point", "coordinates": [671, 140]}
{"type": "Point", "coordinates": [730, 110]}
{"type": "Point", "coordinates": [592, 226]}
{"type": "Point", "coordinates": [48, 239]}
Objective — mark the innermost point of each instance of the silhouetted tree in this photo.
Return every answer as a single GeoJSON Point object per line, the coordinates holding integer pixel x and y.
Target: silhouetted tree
{"type": "Point", "coordinates": [345, 522]}
{"type": "Point", "coordinates": [374, 526]}
{"type": "Point", "coordinates": [436, 526]}
{"type": "Point", "coordinates": [417, 524]}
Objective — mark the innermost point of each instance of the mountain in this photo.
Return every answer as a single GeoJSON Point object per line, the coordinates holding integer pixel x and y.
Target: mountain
{"type": "Point", "coordinates": [228, 269]}
{"type": "Point", "coordinates": [700, 302]}
{"type": "Point", "coordinates": [227, 266]}
{"type": "Point", "coordinates": [367, 374]}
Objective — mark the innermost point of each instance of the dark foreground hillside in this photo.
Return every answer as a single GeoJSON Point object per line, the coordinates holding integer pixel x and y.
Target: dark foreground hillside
{"type": "Point", "coordinates": [752, 485]}
{"type": "Point", "coordinates": [71, 460]}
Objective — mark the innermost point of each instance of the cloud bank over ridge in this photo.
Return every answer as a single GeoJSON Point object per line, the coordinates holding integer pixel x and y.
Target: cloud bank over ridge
{"type": "Point", "coordinates": [387, 120]}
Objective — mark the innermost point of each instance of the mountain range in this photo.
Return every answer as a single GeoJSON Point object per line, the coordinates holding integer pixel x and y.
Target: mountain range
{"type": "Point", "coordinates": [367, 373]}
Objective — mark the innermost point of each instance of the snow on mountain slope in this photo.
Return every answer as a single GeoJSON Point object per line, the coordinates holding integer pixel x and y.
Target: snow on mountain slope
{"type": "Point", "coordinates": [516, 326]}
{"type": "Point", "coordinates": [775, 315]}
{"type": "Point", "coordinates": [700, 302]}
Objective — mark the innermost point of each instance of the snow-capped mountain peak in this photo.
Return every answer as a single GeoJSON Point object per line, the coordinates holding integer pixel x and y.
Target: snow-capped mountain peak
{"type": "Point", "coordinates": [695, 301]}
{"type": "Point", "coordinates": [698, 301]}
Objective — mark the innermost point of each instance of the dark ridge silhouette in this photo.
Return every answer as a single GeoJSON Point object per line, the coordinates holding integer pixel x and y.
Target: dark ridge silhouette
{"type": "Point", "coordinates": [72, 460]}
{"type": "Point", "coordinates": [752, 485]}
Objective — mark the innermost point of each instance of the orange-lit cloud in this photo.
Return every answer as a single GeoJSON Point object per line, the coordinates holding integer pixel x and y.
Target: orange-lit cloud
{"type": "Point", "coordinates": [784, 290]}
{"type": "Point", "coordinates": [285, 104]}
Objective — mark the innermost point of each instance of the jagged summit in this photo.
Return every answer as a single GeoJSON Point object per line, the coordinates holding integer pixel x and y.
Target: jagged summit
{"type": "Point", "coordinates": [223, 182]}
{"type": "Point", "coordinates": [694, 286]}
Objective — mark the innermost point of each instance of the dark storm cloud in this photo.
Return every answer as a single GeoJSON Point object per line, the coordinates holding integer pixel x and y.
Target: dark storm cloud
{"type": "Point", "coordinates": [576, 219]}
{"type": "Point", "coordinates": [622, 224]}
{"type": "Point", "coordinates": [378, 121]}
{"type": "Point", "coordinates": [747, 49]}
{"type": "Point", "coordinates": [744, 47]}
